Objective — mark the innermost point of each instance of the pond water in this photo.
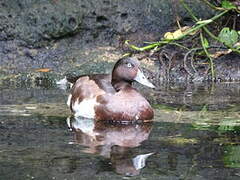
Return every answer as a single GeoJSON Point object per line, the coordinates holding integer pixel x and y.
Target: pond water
{"type": "Point", "coordinates": [195, 135]}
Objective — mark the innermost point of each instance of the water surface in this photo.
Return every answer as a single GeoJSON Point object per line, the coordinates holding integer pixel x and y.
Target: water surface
{"type": "Point", "coordinates": [195, 135]}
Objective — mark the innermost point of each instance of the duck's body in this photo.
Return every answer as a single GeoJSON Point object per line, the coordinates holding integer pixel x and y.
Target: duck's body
{"type": "Point", "coordinates": [110, 97]}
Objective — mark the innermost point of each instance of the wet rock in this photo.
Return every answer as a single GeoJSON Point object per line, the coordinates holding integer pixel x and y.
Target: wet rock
{"type": "Point", "coordinates": [35, 21]}
{"type": "Point", "coordinates": [228, 67]}
{"type": "Point", "coordinates": [61, 35]}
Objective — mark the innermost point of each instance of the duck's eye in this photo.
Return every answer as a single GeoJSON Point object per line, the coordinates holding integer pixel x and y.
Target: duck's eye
{"type": "Point", "coordinates": [129, 65]}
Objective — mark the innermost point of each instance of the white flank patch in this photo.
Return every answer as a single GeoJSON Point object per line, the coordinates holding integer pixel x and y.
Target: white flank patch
{"type": "Point", "coordinates": [69, 100]}
{"type": "Point", "coordinates": [85, 108]}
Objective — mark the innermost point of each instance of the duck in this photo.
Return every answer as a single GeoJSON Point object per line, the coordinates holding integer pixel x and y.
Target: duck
{"type": "Point", "coordinates": [111, 96]}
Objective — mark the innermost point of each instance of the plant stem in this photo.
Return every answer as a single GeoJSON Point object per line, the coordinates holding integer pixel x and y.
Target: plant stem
{"type": "Point", "coordinates": [205, 28]}
{"type": "Point", "coordinates": [153, 45]}
{"type": "Point", "coordinates": [180, 37]}
{"type": "Point", "coordinates": [188, 10]}
{"type": "Point", "coordinates": [212, 6]}
{"type": "Point", "coordinates": [209, 57]}
{"type": "Point", "coordinates": [179, 45]}
{"type": "Point", "coordinates": [197, 27]}
{"type": "Point", "coordinates": [217, 39]}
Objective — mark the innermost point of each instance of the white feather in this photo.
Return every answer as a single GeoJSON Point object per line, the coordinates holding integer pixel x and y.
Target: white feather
{"type": "Point", "coordinates": [69, 100]}
{"type": "Point", "coordinates": [85, 108]}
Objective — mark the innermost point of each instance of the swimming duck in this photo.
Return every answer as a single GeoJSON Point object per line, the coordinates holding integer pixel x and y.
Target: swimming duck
{"type": "Point", "coordinates": [111, 96]}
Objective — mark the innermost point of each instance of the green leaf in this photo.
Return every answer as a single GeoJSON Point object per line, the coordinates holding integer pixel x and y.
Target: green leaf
{"type": "Point", "coordinates": [228, 5]}
{"type": "Point", "coordinates": [228, 37]}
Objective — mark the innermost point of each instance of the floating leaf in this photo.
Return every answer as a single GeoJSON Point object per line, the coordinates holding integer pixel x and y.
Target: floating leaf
{"type": "Point", "coordinates": [43, 70]}
{"type": "Point", "coordinates": [228, 5]}
{"type": "Point", "coordinates": [228, 37]}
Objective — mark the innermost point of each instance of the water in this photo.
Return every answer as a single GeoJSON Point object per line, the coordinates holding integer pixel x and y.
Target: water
{"type": "Point", "coordinates": [195, 135]}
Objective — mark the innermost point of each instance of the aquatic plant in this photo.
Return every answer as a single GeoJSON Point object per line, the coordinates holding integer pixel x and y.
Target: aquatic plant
{"type": "Point", "coordinates": [227, 38]}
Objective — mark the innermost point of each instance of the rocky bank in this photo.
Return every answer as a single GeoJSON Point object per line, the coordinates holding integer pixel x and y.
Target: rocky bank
{"type": "Point", "coordinates": [51, 38]}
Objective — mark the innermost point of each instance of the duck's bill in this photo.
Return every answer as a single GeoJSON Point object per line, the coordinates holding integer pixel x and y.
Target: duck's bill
{"type": "Point", "coordinates": [143, 80]}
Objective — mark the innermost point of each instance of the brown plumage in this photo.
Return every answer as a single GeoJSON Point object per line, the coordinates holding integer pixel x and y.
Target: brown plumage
{"type": "Point", "coordinates": [112, 97]}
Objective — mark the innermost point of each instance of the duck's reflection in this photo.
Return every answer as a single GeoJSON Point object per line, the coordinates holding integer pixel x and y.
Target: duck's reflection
{"type": "Point", "coordinates": [113, 141]}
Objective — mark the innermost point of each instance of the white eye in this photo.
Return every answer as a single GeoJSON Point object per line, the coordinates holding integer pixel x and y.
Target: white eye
{"type": "Point", "coordinates": [129, 65]}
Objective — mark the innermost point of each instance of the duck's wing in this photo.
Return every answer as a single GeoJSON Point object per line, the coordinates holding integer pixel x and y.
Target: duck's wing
{"type": "Point", "coordinates": [89, 88]}
{"type": "Point", "coordinates": [123, 105]}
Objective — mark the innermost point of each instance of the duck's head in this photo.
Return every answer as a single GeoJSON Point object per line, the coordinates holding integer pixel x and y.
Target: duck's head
{"type": "Point", "coordinates": [126, 71]}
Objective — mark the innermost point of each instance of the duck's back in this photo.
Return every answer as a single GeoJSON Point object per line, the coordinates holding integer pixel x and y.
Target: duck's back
{"type": "Point", "coordinates": [84, 92]}
{"type": "Point", "coordinates": [127, 104]}
{"type": "Point", "coordinates": [89, 86]}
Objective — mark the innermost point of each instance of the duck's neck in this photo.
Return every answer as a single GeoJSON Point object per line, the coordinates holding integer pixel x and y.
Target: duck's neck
{"type": "Point", "coordinates": [120, 84]}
